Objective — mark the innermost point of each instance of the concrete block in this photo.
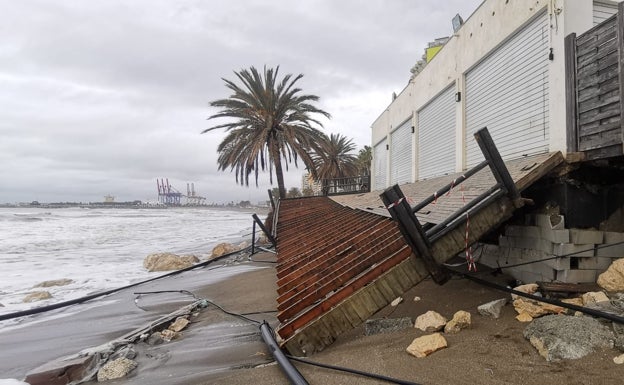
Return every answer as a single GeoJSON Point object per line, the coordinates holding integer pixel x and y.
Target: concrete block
{"type": "Point", "coordinates": [550, 221]}
{"type": "Point", "coordinates": [555, 236]}
{"type": "Point", "coordinates": [530, 277]}
{"type": "Point", "coordinates": [571, 248]}
{"type": "Point", "coordinates": [616, 251]}
{"type": "Point", "coordinates": [613, 237]}
{"type": "Point", "coordinates": [529, 243]}
{"type": "Point", "coordinates": [534, 255]}
{"type": "Point", "coordinates": [594, 263]}
{"type": "Point", "coordinates": [576, 276]}
{"type": "Point", "coordinates": [523, 231]}
{"type": "Point", "coordinates": [580, 236]}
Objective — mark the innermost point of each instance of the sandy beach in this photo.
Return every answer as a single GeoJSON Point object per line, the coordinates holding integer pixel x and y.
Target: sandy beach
{"type": "Point", "coordinates": [492, 351]}
{"type": "Point", "coordinates": [218, 348]}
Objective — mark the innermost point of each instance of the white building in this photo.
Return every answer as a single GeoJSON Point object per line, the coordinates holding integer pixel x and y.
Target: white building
{"type": "Point", "coordinates": [504, 68]}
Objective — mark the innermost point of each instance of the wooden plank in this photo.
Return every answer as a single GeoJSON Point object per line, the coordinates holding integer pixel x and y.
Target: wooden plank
{"type": "Point", "coordinates": [620, 45]}
{"type": "Point", "coordinates": [597, 127]}
{"type": "Point", "coordinates": [604, 152]}
{"type": "Point", "coordinates": [596, 90]}
{"type": "Point", "coordinates": [602, 139]}
{"type": "Point", "coordinates": [596, 30]}
{"type": "Point", "coordinates": [570, 93]}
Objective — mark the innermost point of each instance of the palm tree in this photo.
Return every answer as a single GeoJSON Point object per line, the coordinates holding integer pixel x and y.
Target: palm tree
{"type": "Point", "coordinates": [335, 160]}
{"type": "Point", "coordinates": [364, 159]}
{"type": "Point", "coordinates": [270, 122]}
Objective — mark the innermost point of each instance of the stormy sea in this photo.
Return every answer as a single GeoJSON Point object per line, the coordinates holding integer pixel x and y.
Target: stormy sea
{"type": "Point", "coordinates": [101, 249]}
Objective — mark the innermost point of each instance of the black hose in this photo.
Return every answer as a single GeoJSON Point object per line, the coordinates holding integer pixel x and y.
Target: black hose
{"type": "Point", "coordinates": [75, 301]}
{"type": "Point", "coordinates": [287, 367]}
{"type": "Point", "coordinates": [353, 371]}
{"type": "Point", "coordinates": [582, 309]}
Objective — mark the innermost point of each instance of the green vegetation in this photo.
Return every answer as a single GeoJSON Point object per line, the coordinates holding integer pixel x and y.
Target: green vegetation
{"type": "Point", "coordinates": [270, 121]}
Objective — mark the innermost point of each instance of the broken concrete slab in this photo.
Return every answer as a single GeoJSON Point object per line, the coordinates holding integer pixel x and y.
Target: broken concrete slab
{"type": "Point", "coordinates": [559, 337]}
{"type": "Point", "coordinates": [386, 325]}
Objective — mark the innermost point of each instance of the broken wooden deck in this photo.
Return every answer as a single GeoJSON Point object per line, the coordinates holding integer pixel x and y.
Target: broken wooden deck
{"type": "Point", "coordinates": [341, 260]}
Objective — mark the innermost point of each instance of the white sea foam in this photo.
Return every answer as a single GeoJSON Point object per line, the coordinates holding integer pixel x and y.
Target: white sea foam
{"type": "Point", "coordinates": [100, 249]}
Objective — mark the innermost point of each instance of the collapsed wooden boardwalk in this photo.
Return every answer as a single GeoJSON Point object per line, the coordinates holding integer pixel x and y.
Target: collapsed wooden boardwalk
{"type": "Point", "coordinates": [341, 260]}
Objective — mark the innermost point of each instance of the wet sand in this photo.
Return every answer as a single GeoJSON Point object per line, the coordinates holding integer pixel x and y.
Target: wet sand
{"type": "Point", "coordinates": [491, 352]}
{"type": "Point", "coordinates": [218, 348]}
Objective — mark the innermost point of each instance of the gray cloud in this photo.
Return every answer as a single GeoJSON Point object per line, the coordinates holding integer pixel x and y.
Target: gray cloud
{"type": "Point", "coordinates": [103, 97]}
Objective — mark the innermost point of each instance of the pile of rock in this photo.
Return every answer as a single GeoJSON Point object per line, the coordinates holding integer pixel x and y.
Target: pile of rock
{"type": "Point", "coordinates": [168, 261]}
{"type": "Point", "coordinates": [434, 322]}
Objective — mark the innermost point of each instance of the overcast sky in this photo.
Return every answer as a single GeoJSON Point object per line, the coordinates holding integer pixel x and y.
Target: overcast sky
{"type": "Point", "coordinates": [102, 97]}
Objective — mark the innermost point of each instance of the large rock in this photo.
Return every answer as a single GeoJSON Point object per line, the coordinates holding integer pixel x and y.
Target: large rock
{"type": "Point", "coordinates": [37, 296]}
{"type": "Point", "coordinates": [222, 249]}
{"type": "Point", "coordinates": [493, 308]}
{"type": "Point", "coordinates": [179, 324]}
{"type": "Point", "coordinates": [461, 320]}
{"type": "Point", "coordinates": [55, 282]}
{"type": "Point", "coordinates": [425, 345]}
{"type": "Point", "coordinates": [116, 369]}
{"type": "Point", "coordinates": [529, 288]}
{"type": "Point", "coordinates": [386, 325]}
{"type": "Point", "coordinates": [431, 321]}
{"type": "Point", "coordinates": [168, 261]}
{"type": "Point", "coordinates": [593, 297]}
{"type": "Point", "coordinates": [558, 337]}
{"type": "Point", "coordinates": [535, 308]}
{"type": "Point", "coordinates": [613, 279]}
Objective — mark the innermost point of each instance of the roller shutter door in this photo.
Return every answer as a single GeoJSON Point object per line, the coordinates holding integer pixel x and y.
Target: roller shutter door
{"type": "Point", "coordinates": [436, 136]}
{"type": "Point", "coordinates": [508, 93]}
{"type": "Point", "coordinates": [401, 154]}
{"type": "Point", "coordinates": [381, 162]}
{"type": "Point", "coordinates": [603, 11]}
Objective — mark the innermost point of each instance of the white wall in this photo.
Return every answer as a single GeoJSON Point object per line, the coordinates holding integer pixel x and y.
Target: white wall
{"type": "Point", "coordinates": [482, 32]}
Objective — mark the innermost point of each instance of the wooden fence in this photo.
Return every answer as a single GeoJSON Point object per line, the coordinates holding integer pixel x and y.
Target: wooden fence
{"type": "Point", "coordinates": [594, 64]}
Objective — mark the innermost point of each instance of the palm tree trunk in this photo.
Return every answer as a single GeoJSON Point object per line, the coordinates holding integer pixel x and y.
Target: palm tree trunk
{"type": "Point", "coordinates": [279, 173]}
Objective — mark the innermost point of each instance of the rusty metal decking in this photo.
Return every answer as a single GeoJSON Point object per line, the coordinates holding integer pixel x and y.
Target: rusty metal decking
{"type": "Point", "coordinates": [341, 260]}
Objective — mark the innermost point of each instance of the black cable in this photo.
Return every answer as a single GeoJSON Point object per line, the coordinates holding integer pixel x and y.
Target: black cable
{"type": "Point", "coordinates": [352, 371]}
{"type": "Point", "coordinates": [586, 310]}
{"type": "Point", "coordinates": [75, 301]}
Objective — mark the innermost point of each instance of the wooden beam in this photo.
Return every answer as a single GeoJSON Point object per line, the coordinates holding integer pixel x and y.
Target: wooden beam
{"type": "Point", "coordinates": [570, 92]}
{"type": "Point", "coordinates": [620, 45]}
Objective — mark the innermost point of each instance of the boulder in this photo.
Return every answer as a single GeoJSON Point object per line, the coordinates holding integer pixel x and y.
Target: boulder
{"type": "Point", "coordinates": [612, 280]}
{"type": "Point", "coordinates": [535, 308]}
{"type": "Point", "coordinates": [155, 339]}
{"type": "Point", "coordinates": [431, 321]}
{"type": "Point", "coordinates": [425, 345]}
{"type": "Point", "coordinates": [179, 324]}
{"type": "Point", "coordinates": [386, 325]}
{"type": "Point", "coordinates": [416, 298]}
{"type": "Point", "coordinates": [594, 297]}
{"type": "Point", "coordinates": [168, 335]}
{"type": "Point", "coordinates": [573, 301]}
{"type": "Point", "coordinates": [168, 261]}
{"type": "Point", "coordinates": [396, 301]}
{"type": "Point", "coordinates": [222, 249]}
{"type": "Point", "coordinates": [461, 320]}
{"type": "Point", "coordinates": [524, 317]}
{"type": "Point", "coordinates": [493, 308]}
{"type": "Point", "coordinates": [116, 369]}
{"type": "Point", "coordinates": [37, 296]}
{"type": "Point", "coordinates": [619, 359]}
{"type": "Point", "coordinates": [55, 282]}
{"type": "Point", "coordinates": [558, 337]}
{"type": "Point", "coordinates": [529, 288]}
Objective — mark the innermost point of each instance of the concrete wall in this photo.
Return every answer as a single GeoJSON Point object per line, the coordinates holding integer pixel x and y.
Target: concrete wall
{"type": "Point", "coordinates": [488, 27]}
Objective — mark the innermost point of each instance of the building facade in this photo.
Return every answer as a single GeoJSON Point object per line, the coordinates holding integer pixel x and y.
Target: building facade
{"type": "Point", "coordinates": [504, 69]}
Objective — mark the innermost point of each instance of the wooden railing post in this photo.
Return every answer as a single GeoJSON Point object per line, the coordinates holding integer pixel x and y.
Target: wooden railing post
{"type": "Point", "coordinates": [620, 45]}
{"type": "Point", "coordinates": [571, 94]}
{"type": "Point", "coordinates": [501, 174]}
{"type": "Point", "coordinates": [412, 231]}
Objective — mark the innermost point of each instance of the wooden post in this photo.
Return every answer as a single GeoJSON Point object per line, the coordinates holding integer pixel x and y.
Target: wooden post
{"type": "Point", "coordinates": [571, 93]}
{"type": "Point", "coordinates": [264, 230]}
{"type": "Point", "coordinates": [271, 199]}
{"type": "Point", "coordinates": [620, 45]}
{"type": "Point", "coordinates": [412, 231]}
{"type": "Point", "coordinates": [485, 142]}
